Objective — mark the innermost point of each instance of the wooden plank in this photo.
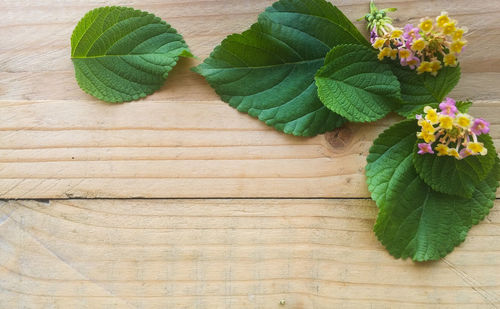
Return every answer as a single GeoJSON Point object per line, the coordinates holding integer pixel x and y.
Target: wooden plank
{"type": "Point", "coordinates": [206, 150]}
{"type": "Point", "coordinates": [58, 142]}
{"type": "Point", "coordinates": [228, 254]}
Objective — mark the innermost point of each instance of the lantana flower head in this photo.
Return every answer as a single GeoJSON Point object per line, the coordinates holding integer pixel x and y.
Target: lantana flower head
{"type": "Point", "coordinates": [426, 48]}
{"type": "Point", "coordinates": [447, 132]}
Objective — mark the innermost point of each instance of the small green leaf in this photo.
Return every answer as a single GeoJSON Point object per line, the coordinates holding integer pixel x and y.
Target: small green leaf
{"type": "Point", "coordinates": [463, 106]}
{"type": "Point", "coordinates": [456, 177]}
{"type": "Point", "coordinates": [268, 70]}
{"type": "Point", "coordinates": [422, 224]}
{"type": "Point", "coordinates": [418, 91]}
{"type": "Point", "coordinates": [390, 157]}
{"type": "Point", "coordinates": [121, 54]}
{"type": "Point", "coordinates": [356, 85]}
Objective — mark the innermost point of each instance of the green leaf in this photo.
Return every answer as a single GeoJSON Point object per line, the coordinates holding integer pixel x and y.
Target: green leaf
{"type": "Point", "coordinates": [418, 91]}
{"type": "Point", "coordinates": [414, 220]}
{"type": "Point", "coordinates": [426, 225]}
{"type": "Point", "coordinates": [121, 54]}
{"type": "Point", "coordinates": [390, 157]}
{"type": "Point", "coordinates": [456, 177]}
{"type": "Point", "coordinates": [463, 106]}
{"type": "Point", "coordinates": [356, 85]}
{"type": "Point", "coordinates": [268, 70]}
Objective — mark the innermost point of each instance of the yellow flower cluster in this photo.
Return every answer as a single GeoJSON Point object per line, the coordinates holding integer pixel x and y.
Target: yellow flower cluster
{"type": "Point", "coordinates": [455, 133]}
{"type": "Point", "coordinates": [426, 48]}
{"type": "Point", "coordinates": [448, 34]}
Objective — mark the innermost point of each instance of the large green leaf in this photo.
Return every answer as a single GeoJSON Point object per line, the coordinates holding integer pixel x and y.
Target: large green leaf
{"type": "Point", "coordinates": [418, 91]}
{"type": "Point", "coordinates": [423, 224]}
{"type": "Point", "coordinates": [456, 177]}
{"type": "Point", "coordinates": [414, 220]}
{"type": "Point", "coordinates": [268, 70]}
{"type": "Point", "coordinates": [390, 157]}
{"type": "Point", "coordinates": [356, 85]}
{"type": "Point", "coordinates": [121, 54]}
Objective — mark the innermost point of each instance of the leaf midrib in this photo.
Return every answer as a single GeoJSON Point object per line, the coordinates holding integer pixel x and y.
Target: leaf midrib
{"type": "Point", "coordinates": [356, 37]}
{"type": "Point", "coordinates": [273, 65]}
{"type": "Point", "coordinates": [419, 228]}
{"type": "Point", "coordinates": [388, 152]}
{"type": "Point", "coordinates": [103, 56]}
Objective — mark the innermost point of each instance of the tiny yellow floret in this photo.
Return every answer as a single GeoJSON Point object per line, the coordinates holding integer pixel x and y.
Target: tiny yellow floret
{"type": "Point", "coordinates": [386, 52]}
{"type": "Point", "coordinates": [477, 148]}
{"type": "Point", "coordinates": [450, 60]}
{"type": "Point", "coordinates": [427, 137]}
{"type": "Point", "coordinates": [443, 19]}
{"type": "Point", "coordinates": [425, 66]}
{"type": "Point", "coordinates": [396, 33]}
{"type": "Point", "coordinates": [446, 122]}
{"type": "Point", "coordinates": [404, 53]}
{"type": "Point", "coordinates": [452, 152]}
{"type": "Point", "coordinates": [435, 67]}
{"type": "Point", "coordinates": [442, 150]}
{"type": "Point", "coordinates": [457, 46]}
{"type": "Point", "coordinates": [426, 126]}
{"type": "Point", "coordinates": [426, 25]}
{"type": "Point", "coordinates": [418, 45]}
{"type": "Point", "coordinates": [458, 34]}
{"type": "Point", "coordinates": [379, 43]}
{"type": "Point", "coordinates": [449, 28]}
{"type": "Point", "coordinates": [432, 115]}
{"type": "Point", "coordinates": [463, 121]}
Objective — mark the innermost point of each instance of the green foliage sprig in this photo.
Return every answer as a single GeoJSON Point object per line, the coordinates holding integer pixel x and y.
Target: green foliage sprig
{"type": "Point", "coordinates": [304, 69]}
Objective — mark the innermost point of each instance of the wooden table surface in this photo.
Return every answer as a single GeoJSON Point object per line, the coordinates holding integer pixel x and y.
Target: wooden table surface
{"type": "Point", "coordinates": [179, 201]}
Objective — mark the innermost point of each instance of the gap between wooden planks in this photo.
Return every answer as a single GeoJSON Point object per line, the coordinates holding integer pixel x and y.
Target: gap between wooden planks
{"type": "Point", "coordinates": [228, 254]}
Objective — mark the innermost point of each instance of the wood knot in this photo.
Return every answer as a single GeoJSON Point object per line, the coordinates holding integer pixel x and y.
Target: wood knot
{"type": "Point", "coordinates": [339, 138]}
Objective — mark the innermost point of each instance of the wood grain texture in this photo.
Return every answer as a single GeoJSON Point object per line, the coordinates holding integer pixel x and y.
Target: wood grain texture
{"type": "Point", "coordinates": [58, 142]}
{"type": "Point", "coordinates": [138, 150]}
{"type": "Point", "coordinates": [228, 254]}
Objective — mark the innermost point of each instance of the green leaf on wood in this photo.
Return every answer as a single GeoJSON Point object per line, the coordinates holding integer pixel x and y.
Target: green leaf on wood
{"type": "Point", "coordinates": [356, 85]}
{"type": "Point", "coordinates": [121, 54]}
{"type": "Point", "coordinates": [268, 71]}
{"type": "Point", "coordinates": [456, 177]}
{"type": "Point", "coordinates": [414, 220]}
